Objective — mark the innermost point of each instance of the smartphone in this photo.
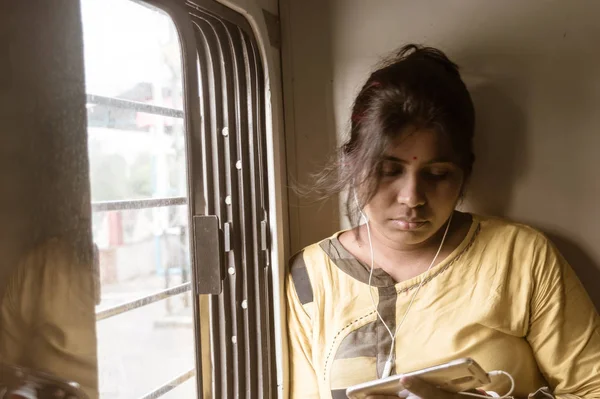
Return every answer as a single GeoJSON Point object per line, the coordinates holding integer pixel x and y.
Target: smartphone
{"type": "Point", "coordinates": [455, 376]}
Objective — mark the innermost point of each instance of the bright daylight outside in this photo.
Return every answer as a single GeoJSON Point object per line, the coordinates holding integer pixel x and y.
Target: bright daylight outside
{"type": "Point", "coordinates": [132, 53]}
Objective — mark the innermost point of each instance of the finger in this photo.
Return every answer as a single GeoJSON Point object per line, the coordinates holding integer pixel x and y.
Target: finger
{"type": "Point", "coordinates": [382, 397]}
{"type": "Point", "coordinates": [404, 394]}
{"type": "Point", "coordinates": [423, 390]}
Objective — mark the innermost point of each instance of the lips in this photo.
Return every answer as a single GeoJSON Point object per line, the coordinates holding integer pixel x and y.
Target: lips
{"type": "Point", "coordinates": [409, 224]}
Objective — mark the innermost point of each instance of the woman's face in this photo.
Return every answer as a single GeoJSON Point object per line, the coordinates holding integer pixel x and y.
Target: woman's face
{"type": "Point", "coordinates": [420, 185]}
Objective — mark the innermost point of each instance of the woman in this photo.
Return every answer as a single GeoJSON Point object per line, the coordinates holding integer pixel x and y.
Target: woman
{"type": "Point", "coordinates": [419, 283]}
{"type": "Point", "coordinates": [47, 315]}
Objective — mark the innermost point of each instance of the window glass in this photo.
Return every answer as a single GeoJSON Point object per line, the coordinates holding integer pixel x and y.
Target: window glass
{"type": "Point", "coordinates": [138, 185]}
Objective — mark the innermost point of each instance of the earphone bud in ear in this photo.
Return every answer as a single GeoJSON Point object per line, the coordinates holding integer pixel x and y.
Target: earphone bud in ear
{"type": "Point", "coordinates": [360, 210]}
{"type": "Point", "coordinates": [390, 360]}
{"type": "Point", "coordinates": [356, 199]}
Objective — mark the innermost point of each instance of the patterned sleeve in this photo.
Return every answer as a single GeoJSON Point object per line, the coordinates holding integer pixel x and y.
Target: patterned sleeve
{"type": "Point", "coordinates": [302, 376]}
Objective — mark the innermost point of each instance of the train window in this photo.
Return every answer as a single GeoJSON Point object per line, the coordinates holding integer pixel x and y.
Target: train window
{"type": "Point", "coordinates": [178, 170]}
{"type": "Point", "coordinates": [136, 144]}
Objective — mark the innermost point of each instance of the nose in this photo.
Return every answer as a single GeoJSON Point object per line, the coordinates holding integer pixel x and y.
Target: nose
{"type": "Point", "coordinates": [410, 192]}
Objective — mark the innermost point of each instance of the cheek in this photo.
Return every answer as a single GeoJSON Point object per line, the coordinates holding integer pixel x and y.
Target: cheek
{"type": "Point", "coordinates": [386, 193]}
{"type": "Point", "coordinates": [445, 192]}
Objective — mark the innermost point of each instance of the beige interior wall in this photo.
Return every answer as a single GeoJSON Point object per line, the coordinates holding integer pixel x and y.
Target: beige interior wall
{"type": "Point", "coordinates": [308, 113]}
{"type": "Point", "coordinates": [44, 180]}
{"type": "Point", "coordinates": [533, 68]}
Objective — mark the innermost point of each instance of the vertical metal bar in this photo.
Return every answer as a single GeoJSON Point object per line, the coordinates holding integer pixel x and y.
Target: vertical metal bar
{"type": "Point", "coordinates": [213, 184]}
{"type": "Point", "coordinates": [222, 320]}
{"type": "Point", "coordinates": [193, 139]}
{"type": "Point", "coordinates": [234, 265]}
{"type": "Point", "coordinates": [235, 87]}
{"type": "Point", "coordinates": [246, 203]}
{"type": "Point", "coordinates": [231, 152]}
{"type": "Point", "coordinates": [267, 278]}
{"type": "Point", "coordinates": [257, 216]}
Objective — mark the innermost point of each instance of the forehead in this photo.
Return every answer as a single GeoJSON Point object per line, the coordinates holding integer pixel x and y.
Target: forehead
{"type": "Point", "coordinates": [423, 144]}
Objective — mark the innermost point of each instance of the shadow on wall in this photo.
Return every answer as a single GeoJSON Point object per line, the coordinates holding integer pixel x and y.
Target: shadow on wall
{"type": "Point", "coordinates": [310, 141]}
{"type": "Point", "coordinates": [500, 149]}
{"type": "Point", "coordinates": [502, 159]}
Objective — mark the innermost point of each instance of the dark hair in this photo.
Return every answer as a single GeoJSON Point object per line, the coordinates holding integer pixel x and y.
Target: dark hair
{"type": "Point", "coordinates": [419, 87]}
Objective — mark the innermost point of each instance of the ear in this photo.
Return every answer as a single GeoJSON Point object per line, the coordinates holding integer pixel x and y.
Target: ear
{"type": "Point", "coordinates": [463, 189]}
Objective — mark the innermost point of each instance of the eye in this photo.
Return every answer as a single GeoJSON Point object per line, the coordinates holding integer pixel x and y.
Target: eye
{"type": "Point", "coordinates": [388, 169]}
{"type": "Point", "coordinates": [438, 173]}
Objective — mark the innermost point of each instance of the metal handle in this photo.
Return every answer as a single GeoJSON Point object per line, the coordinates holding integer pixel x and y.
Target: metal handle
{"type": "Point", "coordinates": [207, 254]}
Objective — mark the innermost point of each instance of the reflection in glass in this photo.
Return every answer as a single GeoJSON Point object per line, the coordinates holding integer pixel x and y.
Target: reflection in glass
{"type": "Point", "coordinates": [18, 382]}
{"type": "Point", "coordinates": [139, 198]}
{"type": "Point", "coordinates": [47, 315]}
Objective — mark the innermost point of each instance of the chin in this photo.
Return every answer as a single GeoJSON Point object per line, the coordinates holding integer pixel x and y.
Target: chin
{"type": "Point", "coordinates": [410, 237]}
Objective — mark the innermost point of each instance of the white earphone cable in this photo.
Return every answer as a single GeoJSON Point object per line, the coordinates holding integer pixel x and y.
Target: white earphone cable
{"type": "Point", "coordinates": [493, 374]}
{"type": "Point", "coordinates": [389, 363]}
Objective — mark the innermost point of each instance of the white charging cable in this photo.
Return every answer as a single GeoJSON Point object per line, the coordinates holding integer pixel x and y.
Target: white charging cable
{"type": "Point", "coordinates": [387, 369]}
{"type": "Point", "coordinates": [493, 374]}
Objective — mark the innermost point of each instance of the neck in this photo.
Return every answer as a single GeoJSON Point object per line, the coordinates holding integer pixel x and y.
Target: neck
{"type": "Point", "coordinates": [406, 261]}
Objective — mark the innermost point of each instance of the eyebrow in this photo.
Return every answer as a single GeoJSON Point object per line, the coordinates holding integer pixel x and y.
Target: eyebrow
{"type": "Point", "coordinates": [402, 161]}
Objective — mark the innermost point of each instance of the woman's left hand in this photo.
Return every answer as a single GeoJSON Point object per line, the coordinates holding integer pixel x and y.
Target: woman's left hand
{"type": "Point", "coordinates": [418, 389]}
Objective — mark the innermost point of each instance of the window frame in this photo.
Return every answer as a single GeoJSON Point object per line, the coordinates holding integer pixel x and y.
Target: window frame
{"type": "Point", "coordinates": [217, 373]}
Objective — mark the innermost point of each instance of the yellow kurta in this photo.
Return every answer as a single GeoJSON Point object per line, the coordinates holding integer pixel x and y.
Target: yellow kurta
{"type": "Point", "coordinates": [47, 317]}
{"type": "Point", "coordinates": [504, 297]}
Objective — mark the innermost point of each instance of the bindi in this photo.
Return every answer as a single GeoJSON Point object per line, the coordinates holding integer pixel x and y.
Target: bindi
{"type": "Point", "coordinates": [414, 158]}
